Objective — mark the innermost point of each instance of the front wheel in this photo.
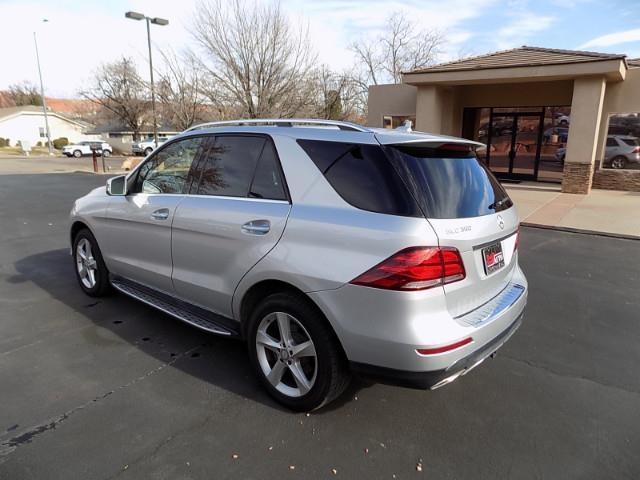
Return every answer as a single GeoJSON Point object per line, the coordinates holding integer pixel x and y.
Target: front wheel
{"type": "Point", "coordinates": [91, 272]}
{"type": "Point", "coordinates": [77, 153]}
{"type": "Point", "coordinates": [148, 151]}
{"type": "Point", "coordinates": [295, 353]}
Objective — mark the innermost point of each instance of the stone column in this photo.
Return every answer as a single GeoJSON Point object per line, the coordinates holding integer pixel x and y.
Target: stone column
{"type": "Point", "coordinates": [586, 110]}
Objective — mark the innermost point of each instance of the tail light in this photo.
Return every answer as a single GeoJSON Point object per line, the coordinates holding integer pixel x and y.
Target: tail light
{"type": "Point", "coordinates": [415, 268]}
{"type": "Point", "coordinates": [636, 150]}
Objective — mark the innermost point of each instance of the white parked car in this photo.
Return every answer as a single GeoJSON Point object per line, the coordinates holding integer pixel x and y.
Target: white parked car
{"type": "Point", "coordinates": [84, 148]}
{"type": "Point", "coordinates": [146, 146]}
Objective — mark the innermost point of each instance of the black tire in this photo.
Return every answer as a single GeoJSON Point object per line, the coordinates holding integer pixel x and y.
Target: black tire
{"type": "Point", "coordinates": [102, 285]}
{"type": "Point", "coordinates": [619, 162]}
{"type": "Point", "coordinates": [332, 375]}
{"type": "Point", "coordinates": [147, 151]}
{"type": "Point", "coordinates": [106, 153]}
{"type": "Point", "coordinates": [77, 153]}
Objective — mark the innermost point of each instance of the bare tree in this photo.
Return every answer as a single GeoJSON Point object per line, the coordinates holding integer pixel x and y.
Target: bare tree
{"type": "Point", "coordinates": [337, 95]}
{"type": "Point", "coordinates": [181, 90]}
{"type": "Point", "coordinates": [255, 57]}
{"type": "Point", "coordinates": [400, 47]}
{"type": "Point", "coordinates": [25, 93]}
{"type": "Point", "coordinates": [119, 89]}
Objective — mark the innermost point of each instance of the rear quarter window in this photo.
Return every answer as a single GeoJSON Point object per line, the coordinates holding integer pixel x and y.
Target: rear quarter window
{"type": "Point", "coordinates": [362, 175]}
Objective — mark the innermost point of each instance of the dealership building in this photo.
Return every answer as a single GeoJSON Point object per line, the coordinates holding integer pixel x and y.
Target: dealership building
{"type": "Point", "coordinates": [544, 114]}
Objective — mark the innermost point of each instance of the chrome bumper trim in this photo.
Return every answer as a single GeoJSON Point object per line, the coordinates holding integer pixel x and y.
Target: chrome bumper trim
{"type": "Point", "coordinates": [494, 307]}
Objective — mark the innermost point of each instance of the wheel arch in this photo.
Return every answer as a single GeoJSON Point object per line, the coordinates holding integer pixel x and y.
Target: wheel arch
{"type": "Point", "coordinates": [263, 289]}
{"type": "Point", "coordinates": [76, 226]}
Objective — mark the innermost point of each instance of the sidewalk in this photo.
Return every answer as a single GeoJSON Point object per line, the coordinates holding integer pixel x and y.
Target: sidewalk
{"type": "Point", "coordinates": [605, 211]}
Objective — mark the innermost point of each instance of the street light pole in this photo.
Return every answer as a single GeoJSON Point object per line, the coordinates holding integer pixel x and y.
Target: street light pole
{"type": "Point", "coordinates": [149, 21]}
{"type": "Point", "coordinates": [44, 101]}
{"type": "Point", "coordinates": [153, 91]}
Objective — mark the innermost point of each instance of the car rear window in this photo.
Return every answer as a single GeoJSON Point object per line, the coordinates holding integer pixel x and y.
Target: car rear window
{"type": "Point", "coordinates": [448, 183]}
{"type": "Point", "coordinates": [362, 175]}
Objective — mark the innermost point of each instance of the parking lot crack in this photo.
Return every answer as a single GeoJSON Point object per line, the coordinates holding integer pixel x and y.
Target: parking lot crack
{"type": "Point", "coordinates": [28, 435]}
{"type": "Point", "coordinates": [568, 375]}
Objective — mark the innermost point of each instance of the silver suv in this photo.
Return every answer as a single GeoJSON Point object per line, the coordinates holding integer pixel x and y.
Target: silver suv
{"type": "Point", "coordinates": [331, 248]}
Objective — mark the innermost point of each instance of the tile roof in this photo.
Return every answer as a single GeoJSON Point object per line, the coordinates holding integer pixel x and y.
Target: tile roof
{"type": "Point", "coordinates": [520, 57]}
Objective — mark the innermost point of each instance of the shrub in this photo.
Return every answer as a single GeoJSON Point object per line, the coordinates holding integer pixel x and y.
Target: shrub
{"type": "Point", "coordinates": [58, 143]}
{"type": "Point", "coordinates": [3, 142]}
{"type": "Point", "coordinates": [39, 144]}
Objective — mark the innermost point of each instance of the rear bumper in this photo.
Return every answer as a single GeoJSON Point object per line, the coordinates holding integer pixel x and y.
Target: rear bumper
{"type": "Point", "coordinates": [436, 378]}
{"type": "Point", "coordinates": [381, 328]}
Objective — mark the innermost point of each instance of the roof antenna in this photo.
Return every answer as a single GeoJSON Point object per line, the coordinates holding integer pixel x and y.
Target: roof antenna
{"type": "Point", "coordinates": [405, 127]}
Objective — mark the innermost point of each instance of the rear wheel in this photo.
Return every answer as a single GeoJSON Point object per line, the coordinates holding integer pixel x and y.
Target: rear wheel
{"type": "Point", "coordinates": [91, 272]}
{"type": "Point", "coordinates": [295, 354]}
{"type": "Point", "coordinates": [618, 162]}
{"type": "Point", "coordinates": [106, 153]}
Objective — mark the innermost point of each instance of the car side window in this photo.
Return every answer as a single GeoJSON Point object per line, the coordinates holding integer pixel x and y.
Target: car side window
{"type": "Point", "coordinates": [267, 180]}
{"type": "Point", "coordinates": [228, 165]}
{"type": "Point", "coordinates": [167, 170]}
{"type": "Point", "coordinates": [611, 142]}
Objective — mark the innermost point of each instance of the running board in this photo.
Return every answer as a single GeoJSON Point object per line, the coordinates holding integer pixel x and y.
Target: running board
{"type": "Point", "coordinates": [198, 317]}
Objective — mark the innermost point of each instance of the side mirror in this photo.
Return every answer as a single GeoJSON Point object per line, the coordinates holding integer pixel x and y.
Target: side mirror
{"type": "Point", "coordinates": [117, 185]}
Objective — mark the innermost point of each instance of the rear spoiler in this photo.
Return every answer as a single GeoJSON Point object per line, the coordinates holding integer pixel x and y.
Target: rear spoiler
{"type": "Point", "coordinates": [423, 139]}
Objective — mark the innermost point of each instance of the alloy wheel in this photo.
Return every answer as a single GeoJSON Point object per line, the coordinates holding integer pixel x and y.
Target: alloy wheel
{"type": "Point", "coordinates": [86, 263]}
{"type": "Point", "coordinates": [618, 162]}
{"type": "Point", "coordinates": [286, 354]}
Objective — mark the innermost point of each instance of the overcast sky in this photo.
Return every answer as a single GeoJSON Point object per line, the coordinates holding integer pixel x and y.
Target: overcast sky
{"type": "Point", "coordinates": [79, 35]}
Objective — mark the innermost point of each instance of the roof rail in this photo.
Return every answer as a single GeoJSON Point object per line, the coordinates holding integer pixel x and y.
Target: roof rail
{"type": "Point", "coordinates": [282, 122]}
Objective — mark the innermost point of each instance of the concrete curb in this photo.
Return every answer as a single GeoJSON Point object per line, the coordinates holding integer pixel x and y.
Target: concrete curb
{"type": "Point", "coordinates": [580, 231]}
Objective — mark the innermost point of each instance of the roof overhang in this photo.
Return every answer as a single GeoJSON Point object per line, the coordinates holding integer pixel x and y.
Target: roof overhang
{"type": "Point", "coordinates": [613, 69]}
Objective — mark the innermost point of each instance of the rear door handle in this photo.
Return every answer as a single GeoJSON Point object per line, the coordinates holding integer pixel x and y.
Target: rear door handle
{"type": "Point", "coordinates": [160, 214]}
{"type": "Point", "coordinates": [257, 227]}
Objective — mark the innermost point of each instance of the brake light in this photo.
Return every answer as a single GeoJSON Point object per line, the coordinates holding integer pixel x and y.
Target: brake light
{"type": "Point", "coordinates": [415, 268]}
{"type": "Point", "coordinates": [459, 147]}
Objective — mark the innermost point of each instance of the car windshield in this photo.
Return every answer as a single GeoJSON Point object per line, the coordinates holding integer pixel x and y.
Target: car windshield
{"type": "Point", "coordinates": [449, 183]}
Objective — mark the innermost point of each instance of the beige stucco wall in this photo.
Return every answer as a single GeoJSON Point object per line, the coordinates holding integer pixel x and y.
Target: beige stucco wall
{"type": "Point", "coordinates": [435, 108]}
{"type": "Point", "coordinates": [390, 100]}
{"type": "Point", "coordinates": [586, 109]}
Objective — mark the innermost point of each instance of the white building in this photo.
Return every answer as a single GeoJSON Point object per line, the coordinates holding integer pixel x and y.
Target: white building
{"type": "Point", "coordinates": [26, 124]}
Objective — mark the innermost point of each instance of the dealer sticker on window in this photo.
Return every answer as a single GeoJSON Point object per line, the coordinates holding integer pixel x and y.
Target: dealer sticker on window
{"type": "Point", "coordinates": [493, 258]}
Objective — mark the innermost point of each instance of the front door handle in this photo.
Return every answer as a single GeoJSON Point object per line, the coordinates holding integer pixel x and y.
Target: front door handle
{"type": "Point", "coordinates": [257, 227]}
{"type": "Point", "coordinates": [160, 214]}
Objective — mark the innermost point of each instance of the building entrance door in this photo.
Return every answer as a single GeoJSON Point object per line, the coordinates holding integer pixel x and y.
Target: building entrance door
{"type": "Point", "coordinates": [514, 140]}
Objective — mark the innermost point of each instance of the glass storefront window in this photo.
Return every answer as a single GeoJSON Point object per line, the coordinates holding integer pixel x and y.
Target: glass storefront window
{"type": "Point", "coordinates": [622, 147]}
{"type": "Point", "coordinates": [522, 142]}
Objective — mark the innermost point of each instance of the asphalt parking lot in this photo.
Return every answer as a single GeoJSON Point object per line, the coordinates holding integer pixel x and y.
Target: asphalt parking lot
{"type": "Point", "coordinates": [110, 388]}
